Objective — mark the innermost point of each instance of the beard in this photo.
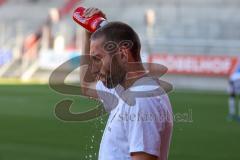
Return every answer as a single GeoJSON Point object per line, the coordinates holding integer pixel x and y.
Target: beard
{"type": "Point", "coordinates": [116, 76]}
{"type": "Point", "coordinates": [115, 79]}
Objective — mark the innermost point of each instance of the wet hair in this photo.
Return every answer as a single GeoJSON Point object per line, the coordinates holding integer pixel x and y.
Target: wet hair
{"type": "Point", "coordinates": [119, 33]}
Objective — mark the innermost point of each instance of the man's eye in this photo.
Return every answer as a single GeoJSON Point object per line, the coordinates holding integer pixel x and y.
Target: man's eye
{"type": "Point", "coordinates": [96, 59]}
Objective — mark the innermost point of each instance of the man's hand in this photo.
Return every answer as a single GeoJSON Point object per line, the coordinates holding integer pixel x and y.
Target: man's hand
{"type": "Point", "coordinates": [142, 156]}
{"type": "Point", "coordinates": [91, 11]}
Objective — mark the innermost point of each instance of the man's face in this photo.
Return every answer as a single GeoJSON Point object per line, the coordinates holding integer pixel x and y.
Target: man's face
{"type": "Point", "coordinates": [106, 66]}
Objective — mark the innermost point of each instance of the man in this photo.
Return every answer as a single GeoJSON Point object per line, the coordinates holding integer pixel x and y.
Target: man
{"type": "Point", "coordinates": [139, 126]}
{"type": "Point", "coordinates": [234, 91]}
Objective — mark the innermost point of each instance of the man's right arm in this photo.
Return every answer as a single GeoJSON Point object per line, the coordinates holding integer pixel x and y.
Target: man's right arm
{"type": "Point", "coordinates": [87, 81]}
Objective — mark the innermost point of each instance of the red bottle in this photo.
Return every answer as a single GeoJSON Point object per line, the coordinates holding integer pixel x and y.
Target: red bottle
{"type": "Point", "coordinates": [91, 23]}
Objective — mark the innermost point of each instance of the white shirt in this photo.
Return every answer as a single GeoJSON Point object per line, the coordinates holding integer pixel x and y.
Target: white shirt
{"type": "Point", "coordinates": [235, 76]}
{"type": "Point", "coordinates": [142, 124]}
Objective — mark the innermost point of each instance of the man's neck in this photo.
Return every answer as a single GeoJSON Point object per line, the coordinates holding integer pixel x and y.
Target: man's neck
{"type": "Point", "coordinates": [131, 77]}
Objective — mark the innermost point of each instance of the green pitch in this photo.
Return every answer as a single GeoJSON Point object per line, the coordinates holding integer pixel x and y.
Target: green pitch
{"type": "Point", "coordinates": [29, 129]}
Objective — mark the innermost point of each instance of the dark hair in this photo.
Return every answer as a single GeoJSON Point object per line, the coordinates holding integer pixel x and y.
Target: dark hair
{"type": "Point", "coordinates": [119, 32]}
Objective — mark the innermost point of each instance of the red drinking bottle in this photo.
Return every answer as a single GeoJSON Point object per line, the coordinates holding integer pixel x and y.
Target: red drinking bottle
{"type": "Point", "coordinates": [90, 23]}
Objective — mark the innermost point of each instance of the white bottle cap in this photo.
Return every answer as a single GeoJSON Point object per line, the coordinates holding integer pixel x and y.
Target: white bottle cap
{"type": "Point", "coordinates": [103, 23]}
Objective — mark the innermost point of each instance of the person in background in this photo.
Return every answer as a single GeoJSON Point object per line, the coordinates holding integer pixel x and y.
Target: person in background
{"type": "Point", "coordinates": [234, 91]}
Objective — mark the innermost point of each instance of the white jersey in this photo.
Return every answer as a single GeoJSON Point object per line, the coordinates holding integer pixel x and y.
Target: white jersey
{"type": "Point", "coordinates": [235, 76]}
{"type": "Point", "coordinates": [235, 80]}
{"type": "Point", "coordinates": [142, 124]}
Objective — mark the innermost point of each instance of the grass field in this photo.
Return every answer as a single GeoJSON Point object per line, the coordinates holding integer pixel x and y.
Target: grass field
{"type": "Point", "coordinates": [29, 129]}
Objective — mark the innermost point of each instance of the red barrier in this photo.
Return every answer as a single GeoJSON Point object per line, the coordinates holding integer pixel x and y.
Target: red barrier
{"type": "Point", "coordinates": [196, 64]}
{"type": "Point", "coordinates": [2, 2]}
{"type": "Point", "coordinates": [69, 5]}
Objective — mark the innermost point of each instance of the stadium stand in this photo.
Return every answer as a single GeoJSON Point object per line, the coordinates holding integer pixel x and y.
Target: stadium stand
{"type": "Point", "coordinates": [182, 26]}
{"type": "Point", "coordinates": [205, 27]}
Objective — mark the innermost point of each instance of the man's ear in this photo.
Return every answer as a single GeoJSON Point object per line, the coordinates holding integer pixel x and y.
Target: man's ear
{"type": "Point", "coordinates": [124, 54]}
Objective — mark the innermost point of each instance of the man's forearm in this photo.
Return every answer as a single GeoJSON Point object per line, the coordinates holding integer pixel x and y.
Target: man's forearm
{"type": "Point", "coordinates": [84, 71]}
{"type": "Point", "coordinates": [86, 79]}
{"type": "Point", "coordinates": [86, 42]}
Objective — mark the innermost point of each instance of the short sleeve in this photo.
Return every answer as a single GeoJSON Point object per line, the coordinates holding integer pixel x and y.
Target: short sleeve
{"type": "Point", "coordinates": [144, 126]}
{"type": "Point", "coordinates": [107, 96]}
